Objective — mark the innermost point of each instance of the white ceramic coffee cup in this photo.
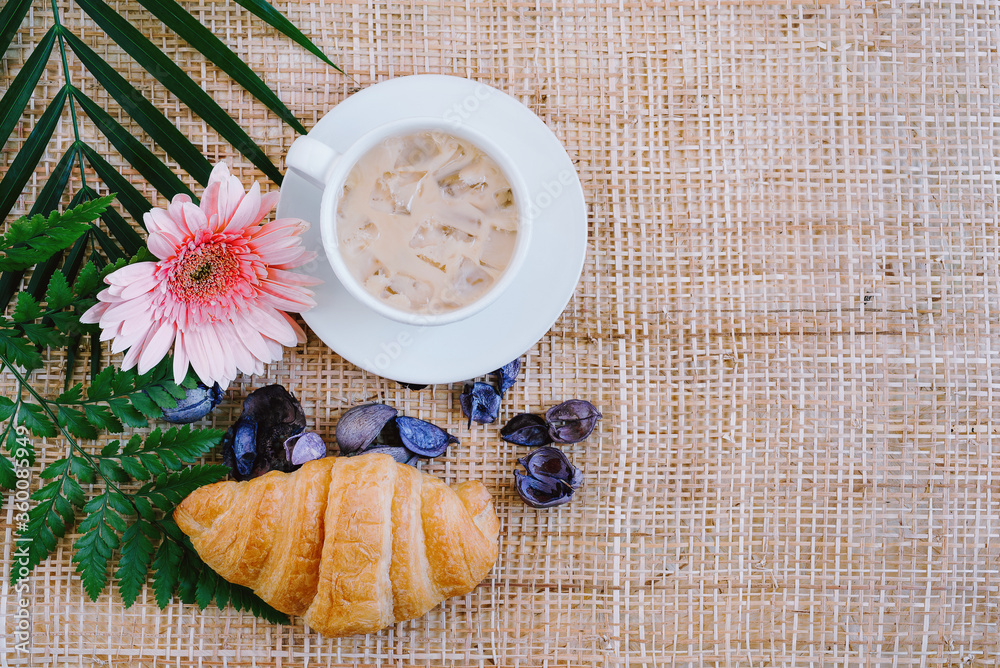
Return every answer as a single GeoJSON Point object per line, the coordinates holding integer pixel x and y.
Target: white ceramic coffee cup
{"type": "Point", "coordinates": [328, 168]}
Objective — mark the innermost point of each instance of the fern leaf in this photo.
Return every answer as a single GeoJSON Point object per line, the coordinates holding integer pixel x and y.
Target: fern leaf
{"type": "Point", "coordinates": [134, 561]}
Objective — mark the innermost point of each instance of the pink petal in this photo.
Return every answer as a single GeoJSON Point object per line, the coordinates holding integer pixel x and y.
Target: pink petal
{"type": "Point", "coordinates": [291, 277]}
{"type": "Point", "coordinates": [280, 228]}
{"type": "Point", "coordinates": [130, 339]}
{"type": "Point", "coordinates": [180, 358]}
{"type": "Point", "coordinates": [291, 298]}
{"type": "Point", "coordinates": [230, 195]}
{"type": "Point", "coordinates": [236, 352]}
{"type": "Point", "coordinates": [156, 347]}
{"type": "Point", "coordinates": [210, 199]}
{"type": "Point", "coordinates": [131, 327]}
{"type": "Point", "coordinates": [131, 272]}
{"type": "Point", "coordinates": [159, 221]}
{"type": "Point", "coordinates": [175, 211]}
{"type": "Point", "coordinates": [194, 218]}
{"type": "Point", "coordinates": [282, 256]}
{"type": "Point", "coordinates": [139, 287]}
{"type": "Point", "coordinates": [161, 246]}
{"type": "Point", "coordinates": [227, 358]}
{"type": "Point", "coordinates": [299, 333]}
{"type": "Point", "coordinates": [111, 332]}
{"type": "Point", "coordinates": [94, 313]}
{"type": "Point", "coordinates": [306, 258]}
{"type": "Point", "coordinates": [271, 325]}
{"type": "Point", "coordinates": [247, 211]}
{"type": "Point", "coordinates": [275, 348]}
{"type": "Point", "coordinates": [220, 174]}
{"type": "Point", "coordinates": [214, 340]}
{"type": "Point", "coordinates": [250, 338]}
{"type": "Point", "coordinates": [200, 360]}
{"type": "Point", "coordinates": [267, 204]}
{"type": "Point", "coordinates": [209, 345]}
{"type": "Point", "coordinates": [132, 356]}
{"type": "Point", "coordinates": [126, 310]}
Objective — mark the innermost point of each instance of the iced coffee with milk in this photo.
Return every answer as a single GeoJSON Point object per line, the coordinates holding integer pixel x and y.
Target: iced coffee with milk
{"type": "Point", "coordinates": [427, 222]}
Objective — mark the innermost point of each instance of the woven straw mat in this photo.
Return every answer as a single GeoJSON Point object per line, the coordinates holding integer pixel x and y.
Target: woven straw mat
{"type": "Point", "coordinates": [786, 317]}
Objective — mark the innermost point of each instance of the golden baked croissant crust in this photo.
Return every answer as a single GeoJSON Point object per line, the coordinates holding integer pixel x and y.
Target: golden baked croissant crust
{"type": "Point", "coordinates": [353, 544]}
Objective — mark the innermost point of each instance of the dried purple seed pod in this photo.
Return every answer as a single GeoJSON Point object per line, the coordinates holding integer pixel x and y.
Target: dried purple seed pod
{"type": "Point", "coordinates": [526, 429]}
{"type": "Point", "coordinates": [550, 479]}
{"type": "Point", "coordinates": [198, 402]}
{"type": "Point", "coordinates": [423, 438]}
{"type": "Point", "coordinates": [245, 445]}
{"type": "Point", "coordinates": [572, 421]}
{"type": "Point", "coordinates": [397, 452]}
{"type": "Point", "coordinates": [480, 402]}
{"type": "Point", "coordinates": [360, 426]}
{"type": "Point", "coordinates": [304, 447]}
{"type": "Point", "coordinates": [255, 444]}
{"type": "Point", "coordinates": [506, 375]}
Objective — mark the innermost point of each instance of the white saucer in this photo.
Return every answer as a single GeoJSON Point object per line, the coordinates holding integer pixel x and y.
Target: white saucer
{"type": "Point", "coordinates": [519, 317]}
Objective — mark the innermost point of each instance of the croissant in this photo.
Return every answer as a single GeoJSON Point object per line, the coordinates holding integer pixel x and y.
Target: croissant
{"type": "Point", "coordinates": [352, 544]}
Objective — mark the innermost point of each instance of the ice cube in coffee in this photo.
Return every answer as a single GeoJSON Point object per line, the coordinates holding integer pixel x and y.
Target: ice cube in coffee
{"type": "Point", "coordinates": [427, 222]}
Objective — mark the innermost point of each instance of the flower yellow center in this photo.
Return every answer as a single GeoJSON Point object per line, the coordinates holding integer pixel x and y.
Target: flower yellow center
{"type": "Point", "coordinates": [204, 273]}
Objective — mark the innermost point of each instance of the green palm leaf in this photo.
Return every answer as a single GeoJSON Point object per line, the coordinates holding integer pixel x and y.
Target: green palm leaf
{"type": "Point", "coordinates": [133, 150]}
{"type": "Point", "coordinates": [23, 165]}
{"type": "Point", "coordinates": [74, 258]}
{"type": "Point", "coordinates": [41, 274]}
{"type": "Point", "coordinates": [276, 19]}
{"type": "Point", "coordinates": [134, 202]}
{"type": "Point", "coordinates": [109, 247]}
{"type": "Point", "coordinates": [127, 237]}
{"type": "Point", "coordinates": [16, 98]}
{"type": "Point", "coordinates": [178, 82]}
{"type": "Point", "coordinates": [43, 270]}
{"type": "Point", "coordinates": [11, 16]}
{"type": "Point", "coordinates": [51, 193]}
{"type": "Point", "coordinates": [197, 35]}
{"type": "Point", "coordinates": [48, 200]}
{"type": "Point", "coordinates": [151, 119]}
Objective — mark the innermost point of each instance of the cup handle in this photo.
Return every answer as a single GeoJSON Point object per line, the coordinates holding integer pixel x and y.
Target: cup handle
{"type": "Point", "coordinates": [311, 159]}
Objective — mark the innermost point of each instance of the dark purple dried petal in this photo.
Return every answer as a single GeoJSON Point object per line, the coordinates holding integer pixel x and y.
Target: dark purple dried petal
{"type": "Point", "coordinates": [550, 480]}
{"type": "Point", "coordinates": [572, 421]}
{"type": "Point", "coordinates": [397, 452]}
{"type": "Point", "coordinates": [480, 402]}
{"type": "Point", "coordinates": [541, 493]}
{"type": "Point", "coordinates": [506, 375]}
{"type": "Point", "coordinates": [551, 462]}
{"type": "Point", "coordinates": [526, 429]}
{"type": "Point", "coordinates": [304, 447]}
{"type": "Point", "coordinates": [423, 438]}
{"type": "Point", "coordinates": [198, 402]}
{"type": "Point", "coordinates": [245, 444]}
{"type": "Point", "coordinates": [275, 415]}
{"type": "Point", "coordinates": [360, 426]}
{"type": "Point", "coordinates": [274, 405]}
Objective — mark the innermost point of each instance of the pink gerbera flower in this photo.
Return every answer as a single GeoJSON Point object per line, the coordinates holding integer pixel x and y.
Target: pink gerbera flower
{"type": "Point", "coordinates": [219, 293]}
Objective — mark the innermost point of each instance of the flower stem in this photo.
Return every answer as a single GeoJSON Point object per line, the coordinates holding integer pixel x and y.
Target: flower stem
{"type": "Point", "coordinates": [69, 83]}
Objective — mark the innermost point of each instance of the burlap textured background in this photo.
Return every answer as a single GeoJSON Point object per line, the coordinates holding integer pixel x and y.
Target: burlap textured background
{"type": "Point", "coordinates": [787, 316]}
